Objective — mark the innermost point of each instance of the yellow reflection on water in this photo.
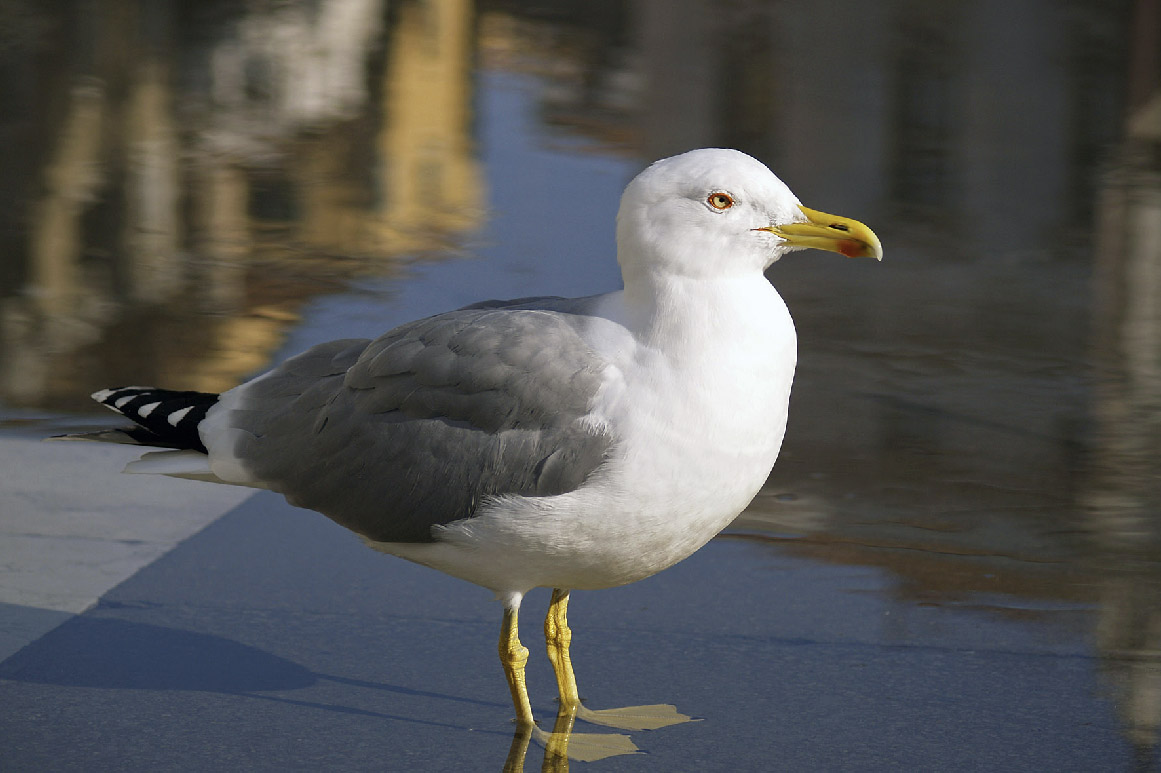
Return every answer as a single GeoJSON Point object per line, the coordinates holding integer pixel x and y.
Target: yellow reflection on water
{"type": "Point", "coordinates": [191, 202]}
{"type": "Point", "coordinates": [562, 744]}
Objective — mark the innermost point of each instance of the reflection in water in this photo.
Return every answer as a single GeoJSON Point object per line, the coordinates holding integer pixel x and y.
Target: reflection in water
{"type": "Point", "coordinates": [1123, 491]}
{"type": "Point", "coordinates": [1129, 640]}
{"type": "Point", "coordinates": [562, 744]}
{"type": "Point", "coordinates": [981, 421]}
{"type": "Point", "coordinates": [199, 167]}
{"type": "Point", "coordinates": [1123, 496]}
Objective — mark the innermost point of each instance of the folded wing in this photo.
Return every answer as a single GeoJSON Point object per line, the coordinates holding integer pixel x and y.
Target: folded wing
{"type": "Point", "coordinates": [415, 429]}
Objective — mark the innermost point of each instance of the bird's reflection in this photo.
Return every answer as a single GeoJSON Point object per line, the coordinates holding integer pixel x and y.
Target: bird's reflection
{"type": "Point", "coordinates": [562, 744]}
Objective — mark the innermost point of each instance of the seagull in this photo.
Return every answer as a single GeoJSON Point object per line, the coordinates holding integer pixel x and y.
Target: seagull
{"type": "Point", "coordinates": [566, 443]}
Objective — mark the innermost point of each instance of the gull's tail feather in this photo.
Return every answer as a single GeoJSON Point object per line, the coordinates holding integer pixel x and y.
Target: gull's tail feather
{"type": "Point", "coordinates": [165, 418]}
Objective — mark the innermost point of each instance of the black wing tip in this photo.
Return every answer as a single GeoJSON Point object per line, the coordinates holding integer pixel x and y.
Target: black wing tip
{"type": "Point", "coordinates": [167, 418]}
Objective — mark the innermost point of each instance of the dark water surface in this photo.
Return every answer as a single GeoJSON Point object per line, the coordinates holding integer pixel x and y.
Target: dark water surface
{"type": "Point", "coordinates": [190, 191]}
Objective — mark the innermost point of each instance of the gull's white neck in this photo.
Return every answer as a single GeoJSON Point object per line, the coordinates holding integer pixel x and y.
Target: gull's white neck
{"type": "Point", "coordinates": [678, 315]}
{"type": "Point", "coordinates": [710, 351]}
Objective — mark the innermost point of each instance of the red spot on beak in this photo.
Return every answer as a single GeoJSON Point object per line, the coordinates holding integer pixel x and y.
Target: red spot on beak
{"type": "Point", "coordinates": [852, 248]}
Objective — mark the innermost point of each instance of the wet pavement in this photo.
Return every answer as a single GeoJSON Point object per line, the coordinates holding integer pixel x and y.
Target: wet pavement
{"type": "Point", "coordinates": [272, 640]}
{"type": "Point", "coordinates": [955, 564]}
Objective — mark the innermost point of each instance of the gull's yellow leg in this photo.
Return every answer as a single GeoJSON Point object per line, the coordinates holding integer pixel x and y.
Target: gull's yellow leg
{"type": "Point", "coordinates": [558, 637]}
{"type": "Point", "coordinates": [514, 656]}
{"type": "Point", "coordinates": [584, 746]}
{"type": "Point", "coordinates": [562, 744]}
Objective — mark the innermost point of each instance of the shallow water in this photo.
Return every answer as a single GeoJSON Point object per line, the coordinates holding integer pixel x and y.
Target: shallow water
{"type": "Point", "coordinates": [193, 191]}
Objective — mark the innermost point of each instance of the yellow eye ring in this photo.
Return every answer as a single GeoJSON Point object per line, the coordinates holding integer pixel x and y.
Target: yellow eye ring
{"type": "Point", "coordinates": [720, 200]}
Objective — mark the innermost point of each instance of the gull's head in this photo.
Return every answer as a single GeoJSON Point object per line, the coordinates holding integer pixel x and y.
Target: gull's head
{"type": "Point", "coordinates": [716, 212]}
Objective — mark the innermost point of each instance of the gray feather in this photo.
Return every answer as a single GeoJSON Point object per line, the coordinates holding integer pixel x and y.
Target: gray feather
{"type": "Point", "coordinates": [393, 436]}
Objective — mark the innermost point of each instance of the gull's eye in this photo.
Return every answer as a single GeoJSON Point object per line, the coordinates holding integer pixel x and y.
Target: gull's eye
{"type": "Point", "coordinates": [720, 200]}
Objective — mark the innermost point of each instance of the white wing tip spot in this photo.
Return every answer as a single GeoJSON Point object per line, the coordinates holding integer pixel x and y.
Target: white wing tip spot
{"type": "Point", "coordinates": [175, 417]}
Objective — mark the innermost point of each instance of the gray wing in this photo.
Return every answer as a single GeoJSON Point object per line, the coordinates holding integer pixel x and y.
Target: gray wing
{"type": "Point", "coordinates": [416, 428]}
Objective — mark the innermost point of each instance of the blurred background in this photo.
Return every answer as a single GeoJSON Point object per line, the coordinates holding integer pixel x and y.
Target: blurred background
{"type": "Point", "coordinates": [192, 190]}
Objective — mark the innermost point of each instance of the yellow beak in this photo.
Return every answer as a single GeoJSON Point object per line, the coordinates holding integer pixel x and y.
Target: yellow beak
{"type": "Point", "coordinates": [830, 232]}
